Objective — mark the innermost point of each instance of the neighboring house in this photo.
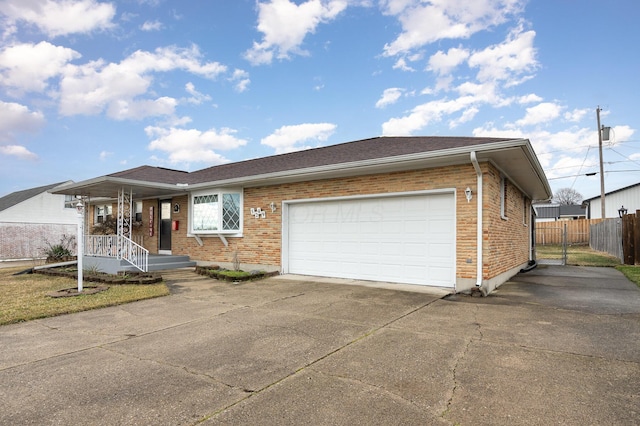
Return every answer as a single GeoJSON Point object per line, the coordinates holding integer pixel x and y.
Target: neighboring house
{"type": "Point", "coordinates": [555, 212]}
{"type": "Point", "coordinates": [627, 198]}
{"type": "Point", "coordinates": [452, 212]}
{"type": "Point", "coordinates": [32, 219]}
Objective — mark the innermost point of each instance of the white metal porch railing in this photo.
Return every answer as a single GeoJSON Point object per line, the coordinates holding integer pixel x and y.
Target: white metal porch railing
{"type": "Point", "coordinates": [107, 246]}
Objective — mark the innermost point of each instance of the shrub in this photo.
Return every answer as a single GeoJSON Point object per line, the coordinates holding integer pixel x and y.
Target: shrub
{"type": "Point", "coordinates": [61, 250]}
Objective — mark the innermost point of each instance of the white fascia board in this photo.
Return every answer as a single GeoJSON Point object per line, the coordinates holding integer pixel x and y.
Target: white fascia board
{"type": "Point", "coordinates": [533, 159]}
{"type": "Point", "coordinates": [105, 182]}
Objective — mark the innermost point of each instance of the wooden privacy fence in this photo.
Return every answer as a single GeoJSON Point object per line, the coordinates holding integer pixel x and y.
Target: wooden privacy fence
{"type": "Point", "coordinates": [606, 236]}
{"type": "Point", "coordinates": [551, 233]}
{"type": "Point", "coordinates": [631, 238]}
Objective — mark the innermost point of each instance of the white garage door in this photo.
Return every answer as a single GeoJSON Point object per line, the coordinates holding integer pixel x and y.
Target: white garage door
{"type": "Point", "coordinates": [403, 239]}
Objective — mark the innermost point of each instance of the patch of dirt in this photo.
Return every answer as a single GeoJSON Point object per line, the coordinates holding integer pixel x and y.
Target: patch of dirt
{"type": "Point", "coordinates": [71, 292]}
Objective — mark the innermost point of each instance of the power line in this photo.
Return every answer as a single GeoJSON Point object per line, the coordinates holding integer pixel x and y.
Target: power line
{"type": "Point", "coordinates": [580, 169]}
{"type": "Point", "coordinates": [591, 165]}
{"type": "Point", "coordinates": [624, 156]}
{"type": "Point", "coordinates": [593, 174]}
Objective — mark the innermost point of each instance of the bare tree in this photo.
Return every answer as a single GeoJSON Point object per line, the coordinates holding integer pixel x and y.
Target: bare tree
{"type": "Point", "coordinates": [567, 196]}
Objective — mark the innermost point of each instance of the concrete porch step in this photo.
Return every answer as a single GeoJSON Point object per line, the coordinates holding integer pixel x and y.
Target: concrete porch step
{"type": "Point", "coordinates": [161, 262]}
{"type": "Point", "coordinates": [157, 262]}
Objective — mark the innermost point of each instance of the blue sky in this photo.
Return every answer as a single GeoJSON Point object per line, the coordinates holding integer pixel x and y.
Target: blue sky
{"type": "Point", "coordinates": [93, 87]}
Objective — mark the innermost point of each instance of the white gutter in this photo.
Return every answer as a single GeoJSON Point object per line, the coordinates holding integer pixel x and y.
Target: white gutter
{"type": "Point", "coordinates": [476, 166]}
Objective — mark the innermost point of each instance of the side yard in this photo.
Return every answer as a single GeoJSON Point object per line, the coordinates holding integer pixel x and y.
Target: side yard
{"type": "Point", "coordinates": [25, 297]}
{"type": "Point", "coordinates": [577, 255]}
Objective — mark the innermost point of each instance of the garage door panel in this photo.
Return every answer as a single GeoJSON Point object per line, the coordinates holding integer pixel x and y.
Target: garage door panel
{"type": "Point", "coordinates": [408, 239]}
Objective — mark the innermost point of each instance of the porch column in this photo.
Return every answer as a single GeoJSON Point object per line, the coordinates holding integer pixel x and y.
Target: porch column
{"type": "Point", "coordinates": [124, 218]}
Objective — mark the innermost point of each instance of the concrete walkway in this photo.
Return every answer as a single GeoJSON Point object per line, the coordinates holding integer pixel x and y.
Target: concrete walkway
{"type": "Point", "coordinates": [558, 345]}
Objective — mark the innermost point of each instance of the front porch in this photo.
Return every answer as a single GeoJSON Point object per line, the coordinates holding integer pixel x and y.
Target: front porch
{"type": "Point", "coordinates": [156, 262]}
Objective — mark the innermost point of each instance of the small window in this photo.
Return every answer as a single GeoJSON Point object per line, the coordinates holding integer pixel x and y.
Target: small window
{"type": "Point", "coordinates": [103, 213]}
{"type": "Point", "coordinates": [138, 211]}
{"type": "Point", "coordinates": [70, 202]}
{"type": "Point", "coordinates": [503, 196]}
{"type": "Point", "coordinates": [216, 212]}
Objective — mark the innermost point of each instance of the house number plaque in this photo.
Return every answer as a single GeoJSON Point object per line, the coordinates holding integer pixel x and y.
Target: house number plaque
{"type": "Point", "coordinates": [151, 221]}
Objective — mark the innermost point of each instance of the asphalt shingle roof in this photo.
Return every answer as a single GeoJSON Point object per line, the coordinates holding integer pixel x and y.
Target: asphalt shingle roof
{"type": "Point", "coordinates": [18, 197]}
{"type": "Point", "coordinates": [366, 149]}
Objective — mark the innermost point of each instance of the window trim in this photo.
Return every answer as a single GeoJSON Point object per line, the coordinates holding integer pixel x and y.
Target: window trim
{"type": "Point", "coordinates": [70, 202]}
{"type": "Point", "coordinates": [137, 212]}
{"type": "Point", "coordinates": [220, 192]}
{"type": "Point", "coordinates": [108, 210]}
{"type": "Point", "coordinates": [504, 193]}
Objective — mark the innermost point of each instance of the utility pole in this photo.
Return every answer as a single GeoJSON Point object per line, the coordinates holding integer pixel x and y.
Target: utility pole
{"type": "Point", "coordinates": [603, 216]}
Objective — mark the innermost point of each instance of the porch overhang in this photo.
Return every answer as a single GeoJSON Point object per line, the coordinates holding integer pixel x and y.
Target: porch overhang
{"type": "Point", "coordinates": [108, 187]}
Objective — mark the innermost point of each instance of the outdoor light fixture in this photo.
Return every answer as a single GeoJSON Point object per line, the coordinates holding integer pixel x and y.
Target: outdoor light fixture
{"type": "Point", "coordinates": [468, 194]}
{"type": "Point", "coordinates": [80, 208]}
{"type": "Point", "coordinates": [622, 211]}
{"type": "Point", "coordinates": [273, 207]}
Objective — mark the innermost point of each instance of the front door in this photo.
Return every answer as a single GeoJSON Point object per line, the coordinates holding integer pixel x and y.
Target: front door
{"type": "Point", "coordinates": [165, 227]}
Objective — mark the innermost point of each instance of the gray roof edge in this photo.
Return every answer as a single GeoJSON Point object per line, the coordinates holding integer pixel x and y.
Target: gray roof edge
{"type": "Point", "coordinates": [364, 164]}
{"type": "Point", "coordinates": [17, 197]}
{"type": "Point", "coordinates": [69, 189]}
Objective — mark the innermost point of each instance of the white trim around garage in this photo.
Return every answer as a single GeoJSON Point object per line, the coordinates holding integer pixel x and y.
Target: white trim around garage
{"type": "Point", "coordinates": [348, 225]}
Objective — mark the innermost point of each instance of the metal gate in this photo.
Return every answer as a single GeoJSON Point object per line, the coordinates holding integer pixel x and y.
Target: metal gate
{"type": "Point", "coordinates": [551, 245]}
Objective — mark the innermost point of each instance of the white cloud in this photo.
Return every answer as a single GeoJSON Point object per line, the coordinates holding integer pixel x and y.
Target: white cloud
{"type": "Point", "coordinates": [542, 113]}
{"type": "Point", "coordinates": [507, 61]}
{"type": "Point", "coordinates": [443, 63]}
{"type": "Point", "coordinates": [621, 134]}
{"type": "Point", "coordinates": [401, 64]}
{"type": "Point", "coordinates": [192, 145]}
{"type": "Point", "coordinates": [91, 88]}
{"type": "Point", "coordinates": [105, 154]}
{"type": "Point", "coordinates": [151, 26]}
{"type": "Point", "coordinates": [29, 67]}
{"type": "Point", "coordinates": [287, 138]}
{"type": "Point", "coordinates": [241, 80]}
{"type": "Point", "coordinates": [423, 115]}
{"type": "Point", "coordinates": [285, 24]}
{"type": "Point", "coordinates": [16, 118]}
{"type": "Point", "coordinates": [576, 115]}
{"type": "Point", "coordinates": [467, 115]}
{"type": "Point", "coordinates": [529, 99]}
{"type": "Point", "coordinates": [426, 22]}
{"type": "Point", "coordinates": [18, 151]}
{"type": "Point", "coordinates": [546, 144]}
{"type": "Point", "coordinates": [389, 96]}
{"type": "Point", "coordinates": [196, 97]}
{"type": "Point", "coordinates": [59, 17]}
{"type": "Point", "coordinates": [138, 109]}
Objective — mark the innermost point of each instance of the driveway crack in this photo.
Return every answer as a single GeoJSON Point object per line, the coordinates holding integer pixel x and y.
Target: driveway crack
{"type": "Point", "coordinates": [458, 361]}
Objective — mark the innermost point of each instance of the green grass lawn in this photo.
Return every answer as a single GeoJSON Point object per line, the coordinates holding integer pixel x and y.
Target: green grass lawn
{"type": "Point", "coordinates": [577, 255]}
{"type": "Point", "coordinates": [24, 297]}
{"type": "Point", "coordinates": [632, 272]}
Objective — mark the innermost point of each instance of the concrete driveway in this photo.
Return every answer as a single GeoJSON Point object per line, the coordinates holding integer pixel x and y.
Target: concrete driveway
{"type": "Point", "coordinates": [556, 345]}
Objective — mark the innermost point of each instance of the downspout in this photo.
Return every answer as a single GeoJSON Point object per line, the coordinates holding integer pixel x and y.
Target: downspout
{"type": "Point", "coordinates": [476, 166]}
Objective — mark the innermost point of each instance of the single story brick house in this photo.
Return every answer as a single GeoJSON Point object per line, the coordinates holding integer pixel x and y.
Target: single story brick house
{"type": "Point", "coordinates": [452, 212]}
